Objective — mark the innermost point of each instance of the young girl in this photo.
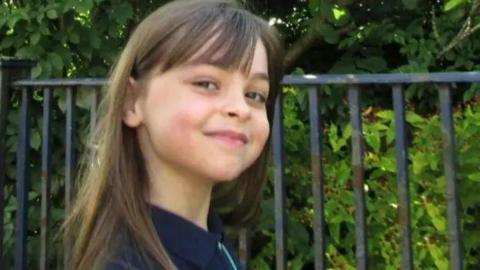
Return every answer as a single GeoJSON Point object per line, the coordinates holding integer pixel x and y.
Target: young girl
{"type": "Point", "coordinates": [182, 140]}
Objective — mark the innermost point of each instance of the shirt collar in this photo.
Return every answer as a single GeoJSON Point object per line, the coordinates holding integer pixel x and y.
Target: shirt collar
{"type": "Point", "coordinates": [186, 239]}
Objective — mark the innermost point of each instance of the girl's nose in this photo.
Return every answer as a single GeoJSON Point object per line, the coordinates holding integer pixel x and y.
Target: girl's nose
{"type": "Point", "coordinates": [236, 105]}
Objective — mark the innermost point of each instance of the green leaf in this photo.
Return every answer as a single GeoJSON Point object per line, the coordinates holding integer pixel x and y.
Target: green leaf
{"type": "Point", "coordinates": [46, 69]}
{"type": "Point", "coordinates": [83, 6]}
{"type": "Point", "coordinates": [94, 40]}
{"type": "Point", "coordinates": [419, 162]}
{"type": "Point", "coordinates": [68, 4]}
{"type": "Point", "coordinates": [387, 115]}
{"type": "Point", "coordinates": [314, 6]}
{"type": "Point", "coordinates": [7, 42]}
{"type": "Point", "coordinates": [24, 52]}
{"type": "Point", "coordinates": [373, 139]}
{"type": "Point", "coordinates": [347, 132]}
{"type": "Point", "coordinates": [438, 256]}
{"type": "Point", "coordinates": [329, 34]}
{"type": "Point", "coordinates": [414, 118]}
{"type": "Point", "coordinates": [36, 71]}
{"type": "Point", "coordinates": [44, 30]}
{"type": "Point", "coordinates": [297, 263]}
{"type": "Point", "coordinates": [436, 217]}
{"type": "Point", "coordinates": [452, 4]}
{"type": "Point", "coordinates": [372, 64]}
{"type": "Point", "coordinates": [40, 16]}
{"type": "Point", "coordinates": [52, 14]}
{"type": "Point", "coordinates": [344, 65]}
{"type": "Point", "coordinates": [468, 95]}
{"type": "Point", "coordinates": [34, 38]}
{"type": "Point", "coordinates": [84, 98]}
{"type": "Point", "coordinates": [298, 232]}
{"type": "Point", "coordinates": [259, 263]}
{"type": "Point", "coordinates": [333, 137]}
{"type": "Point", "coordinates": [340, 14]}
{"type": "Point", "coordinates": [475, 177]}
{"type": "Point", "coordinates": [326, 9]}
{"type": "Point", "coordinates": [123, 13]}
{"type": "Point", "coordinates": [12, 20]}
{"type": "Point", "coordinates": [55, 60]}
{"type": "Point", "coordinates": [86, 51]}
{"type": "Point", "coordinates": [335, 232]}
{"type": "Point", "coordinates": [73, 37]}
{"type": "Point", "coordinates": [410, 4]}
{"type": "Point", "coordinates": [3, 19]}
{"type": "Point", "coordinates": [35, 139]}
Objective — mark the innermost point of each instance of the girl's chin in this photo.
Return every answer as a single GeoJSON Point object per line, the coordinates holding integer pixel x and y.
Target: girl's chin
{"type": "Point", "coordinates": [224, 178]}
{"type": "Point", "coordinates": [225, 172]}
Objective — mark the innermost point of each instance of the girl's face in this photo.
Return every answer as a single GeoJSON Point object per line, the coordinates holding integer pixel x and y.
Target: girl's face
{"type": "Point", "coordinates": [203, 121]}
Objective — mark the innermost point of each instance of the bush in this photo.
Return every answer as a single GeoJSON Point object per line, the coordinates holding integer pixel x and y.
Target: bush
{"type": "Point", "coordinates": [427, 191]}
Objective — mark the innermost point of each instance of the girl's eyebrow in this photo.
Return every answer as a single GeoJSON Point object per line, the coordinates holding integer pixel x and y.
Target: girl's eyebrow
{"type": "Point", "coordinates": [255, 76]}
{"type": "Point", "coordinates": [260, 76]}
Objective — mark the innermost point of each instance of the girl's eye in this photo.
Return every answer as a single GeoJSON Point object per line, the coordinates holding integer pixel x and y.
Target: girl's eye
{"type": "Point", "coordinates": [257, 97]}
{"type": "Point", "coordinates": [208, 85]}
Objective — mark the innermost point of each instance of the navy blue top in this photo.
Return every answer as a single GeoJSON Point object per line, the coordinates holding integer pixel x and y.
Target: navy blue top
{"type": "Point", "coordinates": [189, 246]}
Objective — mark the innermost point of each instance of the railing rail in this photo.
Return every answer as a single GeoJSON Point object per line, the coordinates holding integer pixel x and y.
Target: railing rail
{"type": "Point", "coordinates": [312, 83]}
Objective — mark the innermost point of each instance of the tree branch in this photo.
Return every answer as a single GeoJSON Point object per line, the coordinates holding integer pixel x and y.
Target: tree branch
{"type": "Point", "coordinates": [302, 45]}
{"type": "Point", "coordinates": [311, 38]}
{"type": "Point", "coordinates": [465, 31]}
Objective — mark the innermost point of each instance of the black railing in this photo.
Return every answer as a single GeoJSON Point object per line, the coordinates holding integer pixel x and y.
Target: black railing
{"type": "Point", "coordinates": [312, 83]}
{"type": "Point", "coordinates": [448, 136]}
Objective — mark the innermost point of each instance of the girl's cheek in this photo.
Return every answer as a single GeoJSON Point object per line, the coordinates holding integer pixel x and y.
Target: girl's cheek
{"type": "Point", "coordinates": [188, 116]}
{"type": "Point", "coordinates": [263, 130]}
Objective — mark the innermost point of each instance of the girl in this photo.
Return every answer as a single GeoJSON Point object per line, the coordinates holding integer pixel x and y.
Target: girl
{"type": "Point", "coordinates": [182, 139]}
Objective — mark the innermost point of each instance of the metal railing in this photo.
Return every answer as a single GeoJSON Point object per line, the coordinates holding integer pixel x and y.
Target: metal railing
{"type": "Point", "coordinates": [354, 82]}
{"type": "Point", "coordinates": [313, 83]}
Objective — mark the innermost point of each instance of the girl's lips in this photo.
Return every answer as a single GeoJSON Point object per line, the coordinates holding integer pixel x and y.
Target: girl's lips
{"type": "Point", "coordinates": [229, 137]}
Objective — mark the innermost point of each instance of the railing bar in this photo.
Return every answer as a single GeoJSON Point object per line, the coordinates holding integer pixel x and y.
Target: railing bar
{"type": "Point", "coordinates": [69, 160]}
{"type": "Point", "coordinates": [244, 248]}
{"type": "Point", "coordinates": [382, 78]}
{"type": "Point", "coordinates": [318, 179]}
{"type": "Point", "coordinates": [70, 145]}
{"type": "Point", "coordinates": [358, 177]}
{"type": "Point", "coordinates": [323, 79]}
{"type": "Point", "coordinates": [449, 160]}
{"type": "Point", "coordinates": [46, 175]}
{"type": "Point", "coordinates": [61, 82]}
{"type": "Point", "coordinates": [23, 162]}
{"type": "Point", "coordinates": [4, 105]}
{"type": "Point", "coordinates": [279, 186]}
{"type": "Point", "coordinates": [402, 176]}
{"type": "Point", "coordinates": [94, 109]}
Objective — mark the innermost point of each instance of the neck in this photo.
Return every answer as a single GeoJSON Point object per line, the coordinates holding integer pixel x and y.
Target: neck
{"type": "Point", "coordinates": [183, 195]}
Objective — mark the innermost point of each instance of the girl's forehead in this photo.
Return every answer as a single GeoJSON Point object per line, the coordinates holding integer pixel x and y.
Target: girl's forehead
{"type": "Point", "coordinates": [253, 57]}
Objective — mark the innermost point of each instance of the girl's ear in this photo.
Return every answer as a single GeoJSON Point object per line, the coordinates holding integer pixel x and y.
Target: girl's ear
{"type": "Point", "coordinates": [132, 113]}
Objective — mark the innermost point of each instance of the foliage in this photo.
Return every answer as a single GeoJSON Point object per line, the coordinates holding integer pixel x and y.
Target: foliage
{"type": "Point", "coordinates": [326, 36]}
{"type": "Point", "coordinates": [69, 37]}
{"type": "Point", "coordinates": [427, 189]}
{"type": "Point", "coordinates": [57, 198]}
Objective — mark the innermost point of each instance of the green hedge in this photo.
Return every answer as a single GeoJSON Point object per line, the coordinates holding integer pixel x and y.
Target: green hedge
{"type": "Point", "coordinates": [427, 190]}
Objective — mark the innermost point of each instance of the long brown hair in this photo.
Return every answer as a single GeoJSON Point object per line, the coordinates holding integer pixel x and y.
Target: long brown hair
{"type": "Point", "coordinates": [111, 203]}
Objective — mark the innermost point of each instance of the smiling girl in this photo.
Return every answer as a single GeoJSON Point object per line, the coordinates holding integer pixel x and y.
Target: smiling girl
{"type": "Point", "coordinates": [182, 143]}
